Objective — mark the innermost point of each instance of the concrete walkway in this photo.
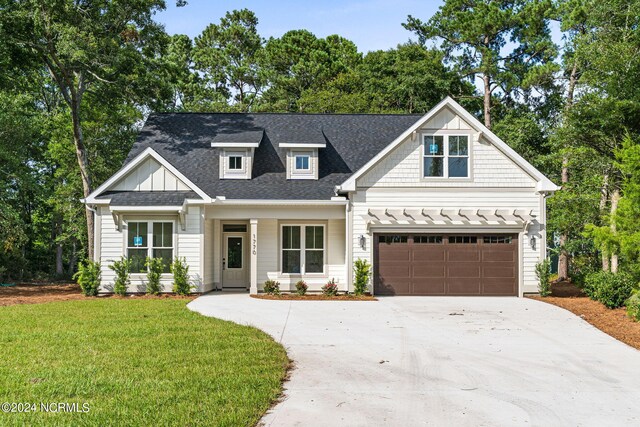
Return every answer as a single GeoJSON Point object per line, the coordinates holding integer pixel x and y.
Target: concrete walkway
{"type": "Point", "coordinates": [412, 361]}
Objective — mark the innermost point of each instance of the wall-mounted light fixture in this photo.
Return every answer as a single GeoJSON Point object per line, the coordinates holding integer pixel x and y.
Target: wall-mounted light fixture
{"type": "Point", "coordinates": [363, 242]}
{"type": "Point", "coordinates": [532, 242]}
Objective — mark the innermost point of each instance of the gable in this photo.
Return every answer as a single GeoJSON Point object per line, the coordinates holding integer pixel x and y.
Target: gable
{"type": "Point", "coordinates": [149, 175]}
{"type": "Point", "coordinates": [489, 166]}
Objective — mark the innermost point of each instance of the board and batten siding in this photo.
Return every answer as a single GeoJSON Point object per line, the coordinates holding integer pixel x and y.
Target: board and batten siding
{"type": "Point", "coordinates": [150, 176]}
{"type": "Point", "coordinates": [495, 182]}
{"type": "Point", "coordinates": [187, 244]}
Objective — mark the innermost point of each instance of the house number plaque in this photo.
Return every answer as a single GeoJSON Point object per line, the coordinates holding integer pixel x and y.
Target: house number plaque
{"type": "Point", "coordinates": [254, 245]}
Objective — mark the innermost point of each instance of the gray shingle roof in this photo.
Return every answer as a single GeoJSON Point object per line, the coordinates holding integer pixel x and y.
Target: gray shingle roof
{"type": "Point", "coordinates": [184, 139]}
{"type": "Point", "coordinates": [148, 198]}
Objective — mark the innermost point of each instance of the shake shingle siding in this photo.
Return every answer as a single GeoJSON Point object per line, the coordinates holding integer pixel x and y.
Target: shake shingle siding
{"type": "Point", "coordinates": [184, 140]}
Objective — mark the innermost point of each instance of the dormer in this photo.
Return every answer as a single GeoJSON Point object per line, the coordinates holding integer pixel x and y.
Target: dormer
{"type": "Point", "coordinates": [237, 152]}
{"type": "Point", "coordinates": [302, 158]}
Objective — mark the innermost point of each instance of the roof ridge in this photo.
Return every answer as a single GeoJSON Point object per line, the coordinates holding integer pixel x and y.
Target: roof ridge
{"type": "Point", "coordinates": [166, 113]}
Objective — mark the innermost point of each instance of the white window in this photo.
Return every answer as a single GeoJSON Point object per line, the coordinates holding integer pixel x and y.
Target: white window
{"type": "Point", "coordinates": [235, 162]}
{"type": "Point", "coordinates": [302, 249]}
{"type": "Point", "coordinates": [139, 234]}
{"type": "Point", "coordinates": [302, 162]}
{"type": "Point", "coordinates": [446, 156]}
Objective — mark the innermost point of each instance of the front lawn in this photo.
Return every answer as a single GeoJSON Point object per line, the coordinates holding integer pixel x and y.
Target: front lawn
{"type": "Point", "coordinates": [135, 362]}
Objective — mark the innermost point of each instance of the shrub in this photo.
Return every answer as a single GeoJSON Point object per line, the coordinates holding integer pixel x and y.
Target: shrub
{"type": "Point", "coordinates": [180, 271]}
{"type": "Point", "coordinates": [362, 270]}
{"type": "Point", "coordinates": [271, 287]}
{"type": "Point", "coordinates": [543, 273]}
{"type": "Point", "coordinates": [155, 267]}
{"type": "Point", "coordinates": [88, 277]}
{"type": "Point", "coordinates": [330, 289]}
{"type": "Point", "coordinates": [611, 289]}
{"type": "Point", "coordinates": [122, 268]}
{"type": "Point", "coordinates": [301, 287]}
{"type": "Point", "coordinates": [633, 306]}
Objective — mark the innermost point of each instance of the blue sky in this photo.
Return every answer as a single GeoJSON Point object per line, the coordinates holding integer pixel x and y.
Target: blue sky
{"type": "Point", "coordinates": [371, 25]}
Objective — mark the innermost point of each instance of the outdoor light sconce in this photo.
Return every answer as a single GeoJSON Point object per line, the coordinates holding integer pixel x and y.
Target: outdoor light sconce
{"type": "Point", "coordinates": [363, 242]}
{"type": "Point", "coordinates": [532, 242]}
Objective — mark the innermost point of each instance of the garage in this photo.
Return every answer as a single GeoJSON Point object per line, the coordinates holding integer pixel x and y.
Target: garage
{"type": "Point", "coordinates": [446, 264]}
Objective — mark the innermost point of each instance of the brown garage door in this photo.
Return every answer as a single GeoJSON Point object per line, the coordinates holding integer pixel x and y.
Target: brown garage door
{"type": "Point", "coordinates": [445, 264]}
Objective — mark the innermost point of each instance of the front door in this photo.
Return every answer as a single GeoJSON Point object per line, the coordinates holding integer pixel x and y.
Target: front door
{"type": "Point", "coordinates": [234, 259]}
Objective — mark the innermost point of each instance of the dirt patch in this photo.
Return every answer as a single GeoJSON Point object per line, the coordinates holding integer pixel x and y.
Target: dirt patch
{"type": "Point", "coordinates": [315, 297]}
{"type": "Point", "coordinates": [30, 293]}
{"type": "Point", "coordinates": [613, 322]}
{"type": "Point", "coordinates": [27, 293]}
{"type": "Point", "coordinates": [565, 289]}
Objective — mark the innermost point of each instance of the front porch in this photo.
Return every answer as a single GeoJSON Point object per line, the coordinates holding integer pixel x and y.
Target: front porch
{"type": "Point", "coordinates": [243, 246]}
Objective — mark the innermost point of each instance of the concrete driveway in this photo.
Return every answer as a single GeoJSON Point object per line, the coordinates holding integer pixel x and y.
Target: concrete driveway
{"type": "Point", "coordinates": [410, 361]}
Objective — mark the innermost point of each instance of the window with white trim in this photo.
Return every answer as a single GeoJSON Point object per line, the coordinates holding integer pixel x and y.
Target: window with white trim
{"type": "Point", "coordinates": [140, 234]}
{"type": "Point", "coordinates": [235, 162]}
{"type": "Point", "coordinates": [446, 156]}
{"type": "Point", "coordinates": [302, 162]}
{"type": "Point", "coordinates": [302, 249]}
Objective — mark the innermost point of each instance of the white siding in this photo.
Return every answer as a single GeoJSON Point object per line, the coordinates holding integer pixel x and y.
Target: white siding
{"type": "Point", "coordinates": [495, 182]}
{"type": "Point", "coordinates": [403, 166]}
{"type": "Point", "coordinates": [451, 199]}
{"type": "Point", "coordinates": [149, 176]}
{"type": "Point", "coordinates": [269, 256]}
{"type": "Point", "coordinates": [186, 244]}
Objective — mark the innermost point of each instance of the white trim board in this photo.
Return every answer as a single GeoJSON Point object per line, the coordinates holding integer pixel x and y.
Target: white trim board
{"type": "Point", "coordinates": [544, 184]}
{"type": "Point", "coordinates": [148, 152]}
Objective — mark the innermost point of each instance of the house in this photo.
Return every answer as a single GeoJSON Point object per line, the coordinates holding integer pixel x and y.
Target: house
{"type": "Point", "coordinates": [437, 203]}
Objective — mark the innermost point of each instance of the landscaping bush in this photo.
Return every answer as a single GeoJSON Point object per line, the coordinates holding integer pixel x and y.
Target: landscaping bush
{"type": "Point", "coordinates": [543, 273]}
{"type": "Point", "coordinates": [180, 271]}
{"type": "Point", "coordinates": [362, 270]}
{"type": "Point", "coordinates": [122, 268]}
{"type": "Point", "coordinates": [301, 287]}
{"type": "Point", "coordinates": [330, 289]}
{"type": "Point", "coordinates": [88, 277]}
{"type": "Point", "coordinates": [611, 289]}
{"type": "Point", "coordinates": [633, 306]}
{"type": "Point", "coordinates": [155, 267]}
{"type": "Point", "coordinates": [271, 287]}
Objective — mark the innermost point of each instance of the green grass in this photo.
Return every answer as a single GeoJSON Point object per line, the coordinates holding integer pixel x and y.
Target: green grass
{"type": "Point", "coordinates": [135, 362]}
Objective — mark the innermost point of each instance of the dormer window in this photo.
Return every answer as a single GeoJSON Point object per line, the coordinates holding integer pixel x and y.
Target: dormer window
{"type": "Point", "coordinates": [235, 162]}
{"type": "Point", "coordinates": [302, 162]}
{"type": "Point", "coordinates": [236, 151]}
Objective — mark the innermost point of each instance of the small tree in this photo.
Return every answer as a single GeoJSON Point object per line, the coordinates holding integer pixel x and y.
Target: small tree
{"type": "Point", "coordinates": [180, 271]}
{"type": "Point", "coordinates": [122, 268]}
{"type": "Point", "coordinates": [155, 267]}
{"type": "Point", "coordinates": [362, 271]}
{"type": "Point", "coordinates": [543, 273]}
{"type": "Point", "coordinates": [88, 277]}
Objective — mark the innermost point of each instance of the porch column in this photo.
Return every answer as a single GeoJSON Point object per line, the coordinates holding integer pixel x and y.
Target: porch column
{"type": "Point", "coordinates": [253, 240]}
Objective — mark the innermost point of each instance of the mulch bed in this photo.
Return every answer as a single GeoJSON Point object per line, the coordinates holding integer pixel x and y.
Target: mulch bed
{"type": "Point", "coordinates": [614, 322]}
{"type": "Point", "coordinates": [31, 293]}
{"type": "Point", "coordinates": [315, 297]}
{"type": "Point", "coordinates": [28, 293]}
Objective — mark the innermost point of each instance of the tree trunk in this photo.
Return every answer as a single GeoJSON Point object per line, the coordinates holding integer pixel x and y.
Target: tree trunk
{"type": "Point", "coordinates": [487, 101]}
{"type": "Point", "coordinates": [563, 257]}
{"type": "Point", "coordinates": [83, 163]}
{"type": "Point", "coordinates": [615, 198]}
{"type": "Point", "coordinates": [59, 266]}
